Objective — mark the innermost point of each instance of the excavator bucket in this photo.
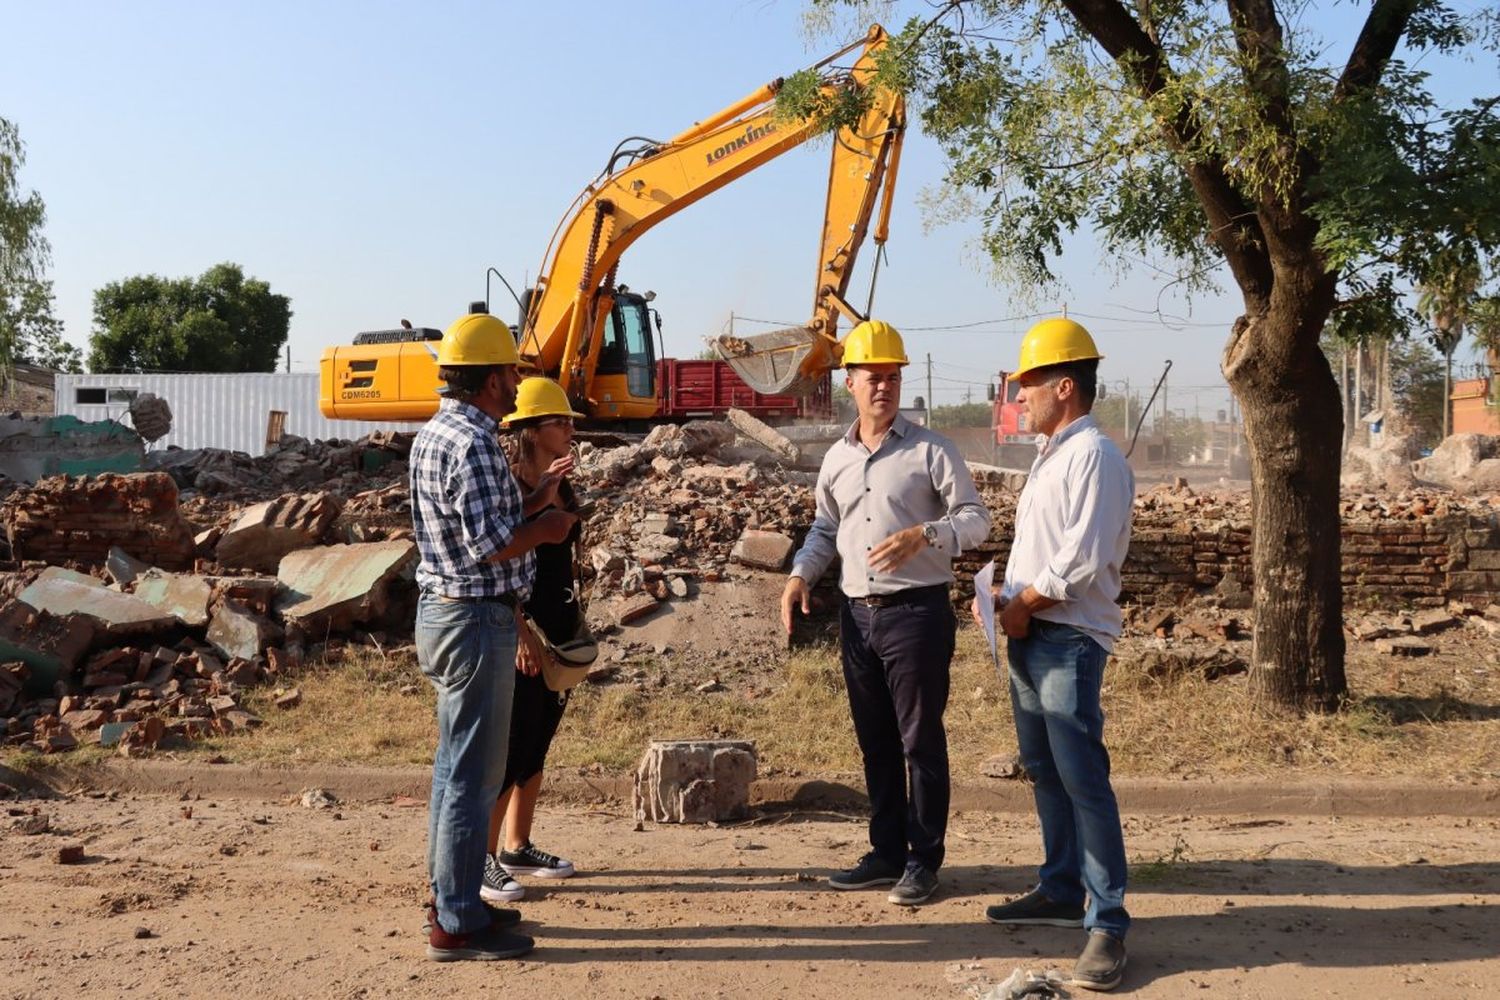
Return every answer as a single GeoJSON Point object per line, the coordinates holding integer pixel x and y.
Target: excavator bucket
{"type": "Point", "coordinates": [788, 361]}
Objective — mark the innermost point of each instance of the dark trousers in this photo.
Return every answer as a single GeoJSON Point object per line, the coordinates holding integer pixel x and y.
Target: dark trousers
{"type": "Point", "coordinates": [896, 661]}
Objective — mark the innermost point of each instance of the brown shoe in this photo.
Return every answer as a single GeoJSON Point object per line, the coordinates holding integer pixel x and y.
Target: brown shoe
{"type": "Point", "coordinates": [1102, 964]}
{"type": "Point", "coordinates": [488, 945]}
{"type": "Point", "coordinates": [500, 916]}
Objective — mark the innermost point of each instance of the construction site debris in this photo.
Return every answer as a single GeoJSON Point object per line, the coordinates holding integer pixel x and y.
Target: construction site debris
{"type": "Point", "coordinates": [765, 435]}
{"type": "Point", "coordinates": [151, 415]}
{"type": "Point", "coordinates": [64, 593]}
{"type": "Point", "coordinates": [334, 586]}
{"type": "Point", "coordinates": [1468, 464]}
{"type": "Point", "coordinates": [694, 781]}
{"type": "Point", "coordinates": [265, 532]}
{"type": "Point", "coordinates": [62, 519]}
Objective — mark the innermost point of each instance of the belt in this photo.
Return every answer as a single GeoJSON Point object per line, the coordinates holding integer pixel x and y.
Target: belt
{"type": "Point", "coordinates": [509, 599]}
{"type": "Point", "coordinates": [912, 595]}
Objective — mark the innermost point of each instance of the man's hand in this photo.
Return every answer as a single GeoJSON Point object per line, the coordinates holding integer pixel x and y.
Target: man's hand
{"type": "Point", "coordinates": [1015, 616]}
{"type": "Point", "coordinates": [793, 594]}
{"type": "Point", "coordinates": [994, 600]}
{"type": "Point", "coordinates": [890, 554]}
{"type": "Point", "coordinates": [554, 525]}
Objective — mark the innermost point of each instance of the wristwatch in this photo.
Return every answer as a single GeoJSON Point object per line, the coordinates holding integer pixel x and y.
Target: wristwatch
{"type": "Point", "coordinates": [929, 532]}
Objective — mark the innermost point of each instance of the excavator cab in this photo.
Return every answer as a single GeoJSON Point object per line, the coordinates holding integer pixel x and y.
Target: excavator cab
{"type": "Point", "coordinates": [625, 377]}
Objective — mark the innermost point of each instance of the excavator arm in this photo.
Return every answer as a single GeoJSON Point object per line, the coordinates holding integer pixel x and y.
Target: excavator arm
{"type": "Point", "coordinates": [574, 296]}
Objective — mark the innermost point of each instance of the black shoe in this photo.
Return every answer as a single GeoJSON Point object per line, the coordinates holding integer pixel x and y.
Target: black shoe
{"type": "Point", "coordinates": [916, 886]}
{"type": "Point", "coordinates": [497, 886]}
{"type": "Point", "coordinates": [488, 945]}
{"type": "Point", "coordinates": [531, 860]}
{"type": "Point", "coordinates": [500, 916]}
{"type": "Point", "coordinates": [870, 871]}
{"type": "Point", "coordinates": [1036, 909]}
{"type": "Point", "coordinates": [1102, 964]}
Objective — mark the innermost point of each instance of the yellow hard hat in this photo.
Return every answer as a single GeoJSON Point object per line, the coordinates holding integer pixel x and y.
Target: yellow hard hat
{"type": "Point", "coordinates": [477, 339]}
{"type": "Point", "coordinates": [1055, 341]}
{"type": "Point", "coordinates": [874, 342]}
{"type": "Point", "coordinates": [540, 397]}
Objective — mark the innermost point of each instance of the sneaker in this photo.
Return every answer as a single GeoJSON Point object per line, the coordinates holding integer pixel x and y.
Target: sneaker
{"type": "Point", "coordinates": [488, 945]}
{"type": "Point", "coordinates": [497, 886]}
{"type": "Point", "coordinates": [869, 872]}
{"type": "Point", "coordinates": [916, 886]}
{"type": "Point", "coordinates": [1034, 908]}
{"type": "Point", "coordinates": [1102, 963]}
{"type": "Point", "coordinates": [500, 916]}
{"type": "Point", "coordinates": [531, 861]}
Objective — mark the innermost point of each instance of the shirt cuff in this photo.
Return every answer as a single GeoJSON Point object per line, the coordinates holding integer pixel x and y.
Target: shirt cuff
{"type": "Point", "coordinates": [1051, 586]}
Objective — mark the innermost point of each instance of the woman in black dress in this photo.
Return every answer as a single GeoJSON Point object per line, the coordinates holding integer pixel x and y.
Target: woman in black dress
{"type": "Point", "coordinates": [541, 445]}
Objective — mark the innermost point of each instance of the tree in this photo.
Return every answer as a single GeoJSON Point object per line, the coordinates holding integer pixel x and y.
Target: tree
{"type": "Point", "coordinates": [1420, 389]}
{"type": "Point", "coordinates": [28, 330]}
{"type": "Point", "coordinates": [962, 415]}
{"type": "Point", "coordinates": [218, 322]}
{"type": "Point", "coordinates": [1203, 137]}
{"type": "Point", "coordinates": [1446, 300]}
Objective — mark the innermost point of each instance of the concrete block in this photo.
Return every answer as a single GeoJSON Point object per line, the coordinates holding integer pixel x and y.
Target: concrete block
{"type": "Point", "coordinates": [49, 646]}
{"type": "Point", "coordinates": [762, 549]}
{"type": "Point", "coordinates": [238, 631]}
{"type": "Point", "coordinates": [337, 585]}
{"type": "Point", "coordinates": [265, 532]}
{"type": "Point", "coordinates": [122, 567]}
{"type": "Point", "coordinates": [695, 781]}
{"type": "Point", "coordinates": [185, 598]}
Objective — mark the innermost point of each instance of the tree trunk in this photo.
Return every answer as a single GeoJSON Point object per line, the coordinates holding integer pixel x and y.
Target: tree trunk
{"type": "Point", "coordinates": [1294, 426]}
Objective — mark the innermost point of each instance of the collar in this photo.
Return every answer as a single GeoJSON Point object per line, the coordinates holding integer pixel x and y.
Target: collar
{"type": "Point", "coordinates": [468, 411]}
{"type": "Point", "coordinates": [1051, 444]}
{"type": "Point", "coordinates": [899, 427]}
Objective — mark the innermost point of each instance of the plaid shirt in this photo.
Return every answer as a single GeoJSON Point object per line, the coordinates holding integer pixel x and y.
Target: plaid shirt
{"type": "Point", "coordinates": [465, 507]}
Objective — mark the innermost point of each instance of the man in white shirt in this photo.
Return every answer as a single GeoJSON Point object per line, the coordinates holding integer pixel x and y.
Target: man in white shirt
{"type": "Point", "coordinates": [896, 504]}
{"type": "Point", "coordinates": [1057, 609]}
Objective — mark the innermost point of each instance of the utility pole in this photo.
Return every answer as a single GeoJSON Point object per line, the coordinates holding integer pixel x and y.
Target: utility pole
{"type": "Point", "coordinates": [1166, 426]}
{"type": "Point", "coordinates": [929, 389]}
{"type": "Point", "coordinates": [289, 356]}
{"type": "Point", "coordinates": [1126, 436]}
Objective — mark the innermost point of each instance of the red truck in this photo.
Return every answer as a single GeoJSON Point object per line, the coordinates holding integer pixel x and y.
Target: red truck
{"type": "Point", "coordinates": [695, 389]}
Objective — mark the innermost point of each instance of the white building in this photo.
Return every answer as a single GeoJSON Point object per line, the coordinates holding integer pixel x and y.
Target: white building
{"type": "Point", "coordinates": [231, 411]}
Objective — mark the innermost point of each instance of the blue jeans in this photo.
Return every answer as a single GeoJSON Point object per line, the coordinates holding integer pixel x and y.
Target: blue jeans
{"type": "Point", "coordinates": [1055, 676]}
{"type": "Point", "coordinates": [468, 652]}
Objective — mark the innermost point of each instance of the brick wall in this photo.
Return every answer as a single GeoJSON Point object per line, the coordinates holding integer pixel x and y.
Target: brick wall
{"type": "Point", "coordinates": [64, 519]}
{"type": "Point", "coordinates": [1407, 560]}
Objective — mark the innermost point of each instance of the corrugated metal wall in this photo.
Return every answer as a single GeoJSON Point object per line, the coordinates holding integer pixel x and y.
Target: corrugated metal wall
{"type": "Point", "coordinates": [219, 411]}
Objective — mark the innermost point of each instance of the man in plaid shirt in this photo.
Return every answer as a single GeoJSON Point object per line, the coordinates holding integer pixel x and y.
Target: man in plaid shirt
{"type": "Point", "coordinates": [476, 570]}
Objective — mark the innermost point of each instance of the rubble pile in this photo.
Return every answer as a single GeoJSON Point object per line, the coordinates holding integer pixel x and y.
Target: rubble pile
{"type": "Point", "coordinates": [63, 519]}
{"type": "Point", "coordinates": [292, 463]}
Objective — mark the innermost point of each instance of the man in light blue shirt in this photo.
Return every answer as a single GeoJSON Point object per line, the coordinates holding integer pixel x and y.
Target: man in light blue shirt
{"type": "Point", "coordinates": [896, 504]}
{"type": "Point", "coordinates": [1057, 609]}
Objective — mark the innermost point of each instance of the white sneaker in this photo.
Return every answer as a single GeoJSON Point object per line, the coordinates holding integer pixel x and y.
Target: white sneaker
{"type": "Point", "coordinates": [498, 886]}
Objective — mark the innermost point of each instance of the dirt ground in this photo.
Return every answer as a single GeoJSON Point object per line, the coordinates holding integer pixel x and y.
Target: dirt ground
{"type": "Point", "coordinates": [208, 897]}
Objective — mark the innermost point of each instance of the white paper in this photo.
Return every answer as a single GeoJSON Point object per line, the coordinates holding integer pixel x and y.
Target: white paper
{"type": "Point", "coordinates": [983, 582]}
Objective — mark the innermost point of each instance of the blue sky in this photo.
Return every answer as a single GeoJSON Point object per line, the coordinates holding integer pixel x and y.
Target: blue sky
{"type": "Point", "coordinates": [372, 160]}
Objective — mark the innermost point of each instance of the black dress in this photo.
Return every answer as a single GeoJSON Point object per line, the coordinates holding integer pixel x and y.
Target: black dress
{"type": "Point", "coordinates": [537, 709]}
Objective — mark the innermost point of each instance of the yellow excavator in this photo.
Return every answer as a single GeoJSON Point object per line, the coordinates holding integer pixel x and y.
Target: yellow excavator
{"type": "Point", "coordinates": [592, 335]}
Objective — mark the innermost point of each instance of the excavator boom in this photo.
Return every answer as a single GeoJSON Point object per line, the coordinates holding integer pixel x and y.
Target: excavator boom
{"type": "Point", "coordinates": [574, 295]}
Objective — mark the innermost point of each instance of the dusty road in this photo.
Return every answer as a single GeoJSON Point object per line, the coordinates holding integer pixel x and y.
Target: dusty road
{"type": "Point", "coordinates": [269, 899]}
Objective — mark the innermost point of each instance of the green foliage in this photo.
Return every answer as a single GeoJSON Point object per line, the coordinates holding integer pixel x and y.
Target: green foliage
{"type": "Point", "coordinates": [1178, 138]}
{"type": "Point", "coordinates": [962, 415]}
{"type": "Point", "coordinates": [28, 330]}
{"type": "Point", "coordinates": [218, 322]}
{"type": "Point", "coordinates": [1417, 385]}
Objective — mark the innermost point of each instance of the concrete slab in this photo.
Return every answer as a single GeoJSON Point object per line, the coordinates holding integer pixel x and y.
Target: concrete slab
{"type": "Point", "coordinates": [337, 585]}
{"type": "Point", "coordinates": [185, 598]}
{"type": "Point", "coordinates": [62, 592]}
{"type": "Point", "coordinates": [236, 631]}
{"type": "Point", "coordinates": [50, 646]}
{"type": "Point", "coordinates": [265, 532]}
{"type": "Point", "coordinates": [123, 568]}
